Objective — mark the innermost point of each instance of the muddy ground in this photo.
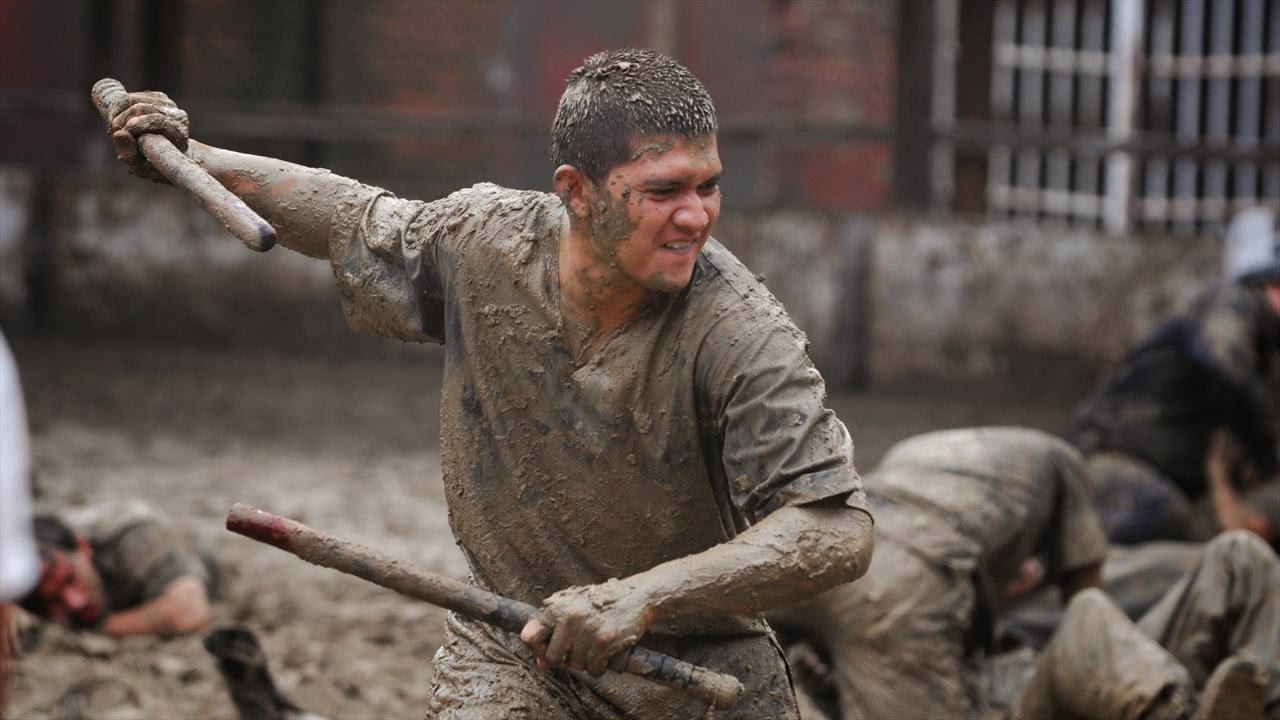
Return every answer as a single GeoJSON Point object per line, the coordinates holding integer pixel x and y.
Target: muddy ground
{"type": "Point", "coordinates": [349, 446]}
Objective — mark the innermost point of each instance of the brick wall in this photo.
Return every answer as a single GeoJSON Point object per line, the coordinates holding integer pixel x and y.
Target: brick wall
{"type": "Point", "coordinates": [804, 87]}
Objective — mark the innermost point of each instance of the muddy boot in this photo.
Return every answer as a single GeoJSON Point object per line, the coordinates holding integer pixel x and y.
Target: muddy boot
{"type": "Point", "coordinates": [1237, 690]}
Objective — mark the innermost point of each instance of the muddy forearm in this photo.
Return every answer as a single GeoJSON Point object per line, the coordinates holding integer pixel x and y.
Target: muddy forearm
{"type": "Point", "coordinates": [183, 608]}
{"type": "Point", "coordinates": [298, 201]}
{"type": "Point", "coordinates": [792, 555]}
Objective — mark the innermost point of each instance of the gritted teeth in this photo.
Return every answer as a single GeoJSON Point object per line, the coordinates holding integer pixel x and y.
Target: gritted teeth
{"type": "Point", "coordinates": [676, 245]}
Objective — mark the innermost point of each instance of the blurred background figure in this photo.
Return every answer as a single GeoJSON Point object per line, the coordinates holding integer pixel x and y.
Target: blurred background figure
{"type": "Point", "coordinates": [959, 513]}
{"type": "Point", "coordinates": [18, 563]}
{"type": "Point", "coordinates": [1182, 435]}
{"type": "Point", "coordinates": [125, 571]}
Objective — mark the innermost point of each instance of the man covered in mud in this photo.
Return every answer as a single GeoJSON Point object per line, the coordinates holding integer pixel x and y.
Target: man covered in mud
{"type": "Point", "coordinates": [958, 514]}
{"type": "Point", "coordinates": [633, 436]}
{"type": "Point", "coordinates": [1183, 434]}
{"type": "Point", "coordinates": [120, 568]}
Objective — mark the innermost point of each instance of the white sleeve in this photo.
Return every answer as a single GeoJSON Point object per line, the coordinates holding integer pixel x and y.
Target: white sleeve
{"type": "Point", "coordinates": [19, 565]}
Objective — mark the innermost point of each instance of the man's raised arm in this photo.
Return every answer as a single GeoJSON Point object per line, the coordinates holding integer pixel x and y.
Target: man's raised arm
{"type": "Point", "coordinates": [298, 201]}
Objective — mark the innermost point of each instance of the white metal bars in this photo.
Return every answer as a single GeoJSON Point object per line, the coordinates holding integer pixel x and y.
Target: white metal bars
{"type": "Point", "coordinates": [1164, 114]}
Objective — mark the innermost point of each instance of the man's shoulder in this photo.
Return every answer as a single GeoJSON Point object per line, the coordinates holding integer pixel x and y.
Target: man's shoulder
{"type": "Point", "coordinates": [489, 201]}
{"type": "Point", "coordinates": [978, 449]}
{"type": "Point", "coordinates": [492, 214]}
{"type": "Point", "coordinates": [487, 195]}
{"type": "Point", "coordinates": [734, 291]}
{"type": "Point", "coordinates": [101, 521]}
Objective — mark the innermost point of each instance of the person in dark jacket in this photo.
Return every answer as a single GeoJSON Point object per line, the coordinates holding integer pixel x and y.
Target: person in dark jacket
{"type": "Point", "coordinates": [1182, 435]}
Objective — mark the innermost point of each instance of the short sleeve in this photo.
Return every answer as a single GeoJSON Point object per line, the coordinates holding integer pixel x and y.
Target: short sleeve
{"type": "Point", "coordinates": [387, 275]}
{"type": "Point", "coordinates": [781, 445]}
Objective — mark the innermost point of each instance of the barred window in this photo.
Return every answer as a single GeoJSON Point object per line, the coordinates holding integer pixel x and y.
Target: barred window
{"type": "Point", "coordinates": [1156, 115]}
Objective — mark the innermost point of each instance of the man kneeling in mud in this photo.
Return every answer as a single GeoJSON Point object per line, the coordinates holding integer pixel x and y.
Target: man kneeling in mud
{"type": "Point", "coordinates": [957, 514]}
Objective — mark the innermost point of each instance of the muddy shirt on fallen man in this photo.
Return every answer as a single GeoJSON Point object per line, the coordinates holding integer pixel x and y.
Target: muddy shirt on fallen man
{"type": "Point", "coordinates": [138, 553]}
{"type": "Point", "coordinates": [697, 418]}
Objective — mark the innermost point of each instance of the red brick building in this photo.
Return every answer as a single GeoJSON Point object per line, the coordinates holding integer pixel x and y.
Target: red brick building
{"type": "Point", "coordinates": [427, 96]}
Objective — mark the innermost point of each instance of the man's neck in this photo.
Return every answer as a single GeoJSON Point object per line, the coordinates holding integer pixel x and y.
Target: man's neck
{"type": "Point", "coordinates": [592, 291]}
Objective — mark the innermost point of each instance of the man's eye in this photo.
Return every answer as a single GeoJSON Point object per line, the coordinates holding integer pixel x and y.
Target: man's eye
{"type": "Point", "coordinates": [662, 192]}
{"type": "Point", "coordinates": [709, 188]}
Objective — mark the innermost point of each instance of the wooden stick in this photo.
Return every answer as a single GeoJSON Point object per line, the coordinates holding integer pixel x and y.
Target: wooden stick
{"type": "Point", "coordinates": [720, 690]}
{"type": "Point", "coordinates": [183, 172]}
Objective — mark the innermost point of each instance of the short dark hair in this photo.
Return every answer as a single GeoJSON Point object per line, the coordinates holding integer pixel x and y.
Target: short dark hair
{"type": "Point", "coordinates": [51, 535]}
{"type": "Point", "coordinates": [50, 531]}
{"type": "Point", "coordinates": [619, 94]}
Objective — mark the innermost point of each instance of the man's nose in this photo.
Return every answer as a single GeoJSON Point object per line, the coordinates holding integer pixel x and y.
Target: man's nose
{"type": "Point", "coordinates": [75, 598]}
{"type": "Point", "coordinates": [692, 215]}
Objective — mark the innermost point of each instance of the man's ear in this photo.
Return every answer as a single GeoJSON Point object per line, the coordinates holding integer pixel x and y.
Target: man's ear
{"type": "Point", "coordinates": [574, 189]}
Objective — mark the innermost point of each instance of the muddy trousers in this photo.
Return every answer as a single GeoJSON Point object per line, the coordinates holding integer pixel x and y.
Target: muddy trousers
{"type": "Point", "coordinates": [482, 673]}
{"type": "Point", "coordinates": [1101, 665]}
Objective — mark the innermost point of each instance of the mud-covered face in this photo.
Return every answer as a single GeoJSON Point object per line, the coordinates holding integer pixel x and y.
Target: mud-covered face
{"type": "Point", "coordinates": [654, 213]}
{"type": "Point", "coordinates": [70, 589]}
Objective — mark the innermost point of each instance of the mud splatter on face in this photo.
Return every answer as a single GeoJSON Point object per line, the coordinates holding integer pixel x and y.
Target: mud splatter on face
{"type": "Point", "coordinates": [609, 225]}
{"type": "Point", "coordinates": [705, 148]}
{"type": "Point", "coordinates": [655, 150]}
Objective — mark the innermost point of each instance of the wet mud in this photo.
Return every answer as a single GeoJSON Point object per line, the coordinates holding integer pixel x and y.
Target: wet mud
{"type": "Point", "coordinates": [350, 446]}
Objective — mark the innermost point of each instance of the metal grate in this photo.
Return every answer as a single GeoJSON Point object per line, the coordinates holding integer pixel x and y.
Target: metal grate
{"type": "Point", "coordinates": [1162, 115]}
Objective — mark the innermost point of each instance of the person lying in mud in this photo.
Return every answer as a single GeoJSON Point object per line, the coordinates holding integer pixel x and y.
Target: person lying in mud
{"type": "Point", "coordinates": [957, 514]}
{"type": "Point", "coordinates": [633, 436]}
{"type": "Point", "coordinates": [122, 570]}
{"type": "Point", "coordinates": [1201, 382]}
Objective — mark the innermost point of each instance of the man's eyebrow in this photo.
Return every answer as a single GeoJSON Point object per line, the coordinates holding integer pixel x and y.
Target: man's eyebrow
{"type": "Point", "coordinates": [659, 183]}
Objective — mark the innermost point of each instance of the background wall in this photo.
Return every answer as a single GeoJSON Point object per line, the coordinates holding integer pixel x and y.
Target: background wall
{"type": "Point", "coordinates": [821, 140]}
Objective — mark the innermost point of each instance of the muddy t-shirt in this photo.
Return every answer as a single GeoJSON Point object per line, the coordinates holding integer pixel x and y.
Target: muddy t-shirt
{"type": "Point", "coordinates": [139, 556]}
{"type": "Point", "coordinates": [1211, 367]}
{"type": "Point", "coordinates": [994, 495]}
{"type": "Point", "coordinates": [694, 420]}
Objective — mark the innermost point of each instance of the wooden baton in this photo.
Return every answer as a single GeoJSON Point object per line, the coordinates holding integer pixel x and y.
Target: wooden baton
{"type": "Point", "coordinates": [257, 234]}
{"type": "Point", "coordinates": [720, 690]}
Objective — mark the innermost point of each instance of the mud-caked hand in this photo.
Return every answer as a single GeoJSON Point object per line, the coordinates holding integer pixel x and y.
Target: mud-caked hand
{"type": "Point", "coordinates": [146, 112]}
{"type": "Point", "coordinates": [584, 627]}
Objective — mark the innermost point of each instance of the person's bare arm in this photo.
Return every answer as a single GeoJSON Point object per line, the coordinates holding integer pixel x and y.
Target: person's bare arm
{"type": "Point", "coordinates": [298, 201]}
{"type": "Point", "coordinates": [1229, 510]}
{"type": "Point", "coordinates": [182, 608]}
{"type": "Point", "coordinates": [791, 555]}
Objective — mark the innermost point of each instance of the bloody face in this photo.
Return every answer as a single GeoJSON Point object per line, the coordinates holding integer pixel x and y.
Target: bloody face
{"type": "Point", "coordinates": [655, 212]}
{"type": "Point", "coordinates": [69, 588]}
